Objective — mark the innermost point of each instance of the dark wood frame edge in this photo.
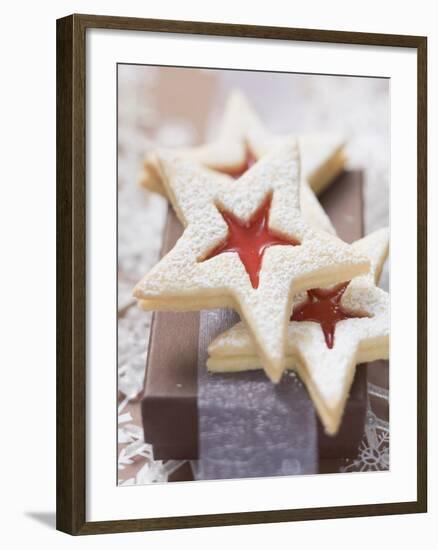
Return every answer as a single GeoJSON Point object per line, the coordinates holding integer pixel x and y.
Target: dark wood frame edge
{"type": "Point", "coordinates": [71, 256]}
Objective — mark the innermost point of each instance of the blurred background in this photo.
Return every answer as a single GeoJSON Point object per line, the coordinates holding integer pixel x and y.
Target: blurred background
{"type": "Point", "coordinates": [172, 107]}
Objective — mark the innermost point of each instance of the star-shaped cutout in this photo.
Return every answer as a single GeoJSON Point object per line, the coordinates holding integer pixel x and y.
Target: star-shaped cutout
{"type": "Point", "coordinates": [242, 139]}
{"type": "Point", "coordinates": [182, 281]}
{"type": "Point", "coordinates": [326, 371]}
{"type": "Point", "coordinates": [324, 306]}
{"type": "Point", "coordinates": [249, 239]}
{"type": "Point", "coordinates": [237, 172]}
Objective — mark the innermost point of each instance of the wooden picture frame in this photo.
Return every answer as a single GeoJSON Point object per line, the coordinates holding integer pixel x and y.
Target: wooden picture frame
{"type": "Point", "coordinates": [71, 273]}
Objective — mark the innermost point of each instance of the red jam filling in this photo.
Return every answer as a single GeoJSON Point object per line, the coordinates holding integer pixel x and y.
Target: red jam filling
{"type": "Point", "coordinates": [249, 160]}
{"type": "Point", "coordinates": [250, 239]}
{"type": "Point", "coordinates": [323, 306]}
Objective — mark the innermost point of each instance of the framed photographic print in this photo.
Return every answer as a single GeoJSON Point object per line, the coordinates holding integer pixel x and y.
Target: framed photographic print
{"type": "Point", "coordinates": [241, 288]}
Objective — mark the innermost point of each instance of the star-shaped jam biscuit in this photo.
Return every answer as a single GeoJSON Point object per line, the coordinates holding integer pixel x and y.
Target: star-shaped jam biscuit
{"type": "Point", "coordinates": [243, 139]}
{"type": "Point", "coordinates": [191, 277]}
{"type": "Point", "coordinates": [330, 332]}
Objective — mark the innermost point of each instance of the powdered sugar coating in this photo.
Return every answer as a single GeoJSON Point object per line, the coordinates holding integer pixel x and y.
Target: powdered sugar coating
{"type": "Point", "coordinates": [319, 260]}
{"type": "Point", "coordinates": [327, 373]}
{"type": "Point", "coordinates": [322, 155]}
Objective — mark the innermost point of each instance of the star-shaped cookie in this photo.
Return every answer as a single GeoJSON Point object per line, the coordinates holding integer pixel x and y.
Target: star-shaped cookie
{"type": "Point", "coordinates": [331, 331]}
{"type": "Point", "coordinates": [286, 255]}
{"type": "Point", "coordinates": [243, 139]}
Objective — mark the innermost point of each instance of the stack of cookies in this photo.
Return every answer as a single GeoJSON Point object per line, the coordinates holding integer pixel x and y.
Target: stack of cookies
{"type": "Point", "coordinates": [256, 240]}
